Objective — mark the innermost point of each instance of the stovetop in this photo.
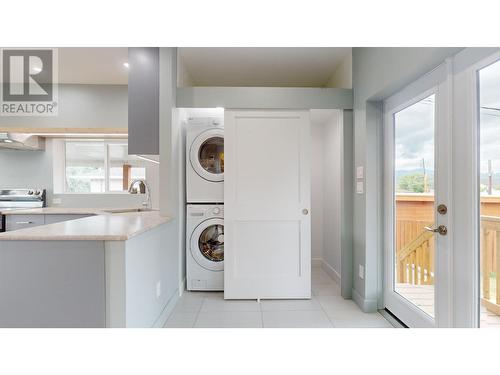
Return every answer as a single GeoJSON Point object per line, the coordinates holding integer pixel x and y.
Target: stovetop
{"type": "Point", "coordinates": [11, 199]}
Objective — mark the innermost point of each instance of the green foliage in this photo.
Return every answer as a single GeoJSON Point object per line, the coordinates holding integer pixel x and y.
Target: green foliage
{"type": "Point", "coordinates": [413, 183]}
{"type": "Point", "coordinates": [78, 186]}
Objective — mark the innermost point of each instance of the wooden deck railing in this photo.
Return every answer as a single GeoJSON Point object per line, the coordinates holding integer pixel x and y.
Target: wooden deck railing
{"type": "Point", "coordinates": [415, 257]}
{"type": "Point", "coordinates": [490, 262]}
{"type": "Point", "coordinates": [414, 253]}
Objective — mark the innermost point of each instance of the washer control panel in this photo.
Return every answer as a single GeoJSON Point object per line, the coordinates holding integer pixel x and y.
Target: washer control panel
{"type": "Point", "coordinates": [205, 211]}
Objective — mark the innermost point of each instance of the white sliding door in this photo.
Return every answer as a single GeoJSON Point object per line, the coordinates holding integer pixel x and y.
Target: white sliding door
{"type": "Point", "coordinates": [267, 203]}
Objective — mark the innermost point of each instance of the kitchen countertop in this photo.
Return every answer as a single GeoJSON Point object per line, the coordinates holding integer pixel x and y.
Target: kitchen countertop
{"type": "Point", "coordinates": [103, 226]}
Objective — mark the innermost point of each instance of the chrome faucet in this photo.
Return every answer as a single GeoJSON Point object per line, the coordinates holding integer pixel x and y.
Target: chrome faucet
{"type": "Point", "coordinates": [143, 189]}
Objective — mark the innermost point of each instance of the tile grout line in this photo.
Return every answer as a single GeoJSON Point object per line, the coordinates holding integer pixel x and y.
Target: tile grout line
{"type": "Point", "coordinates": [327, 316]}
{"type": "Point", "coordinates": [198, 313]}
{"type": "Point", "coordinates": [322, 307]}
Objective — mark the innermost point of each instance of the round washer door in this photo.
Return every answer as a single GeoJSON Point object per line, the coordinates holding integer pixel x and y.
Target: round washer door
{"type": "Point", "coordinates": [207, 155]}
{"type": "Point", "coordinates": [207, 244]}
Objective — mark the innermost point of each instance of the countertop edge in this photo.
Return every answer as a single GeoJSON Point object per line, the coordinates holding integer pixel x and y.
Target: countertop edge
{"type": "Point", "coordinates": [25, 235]}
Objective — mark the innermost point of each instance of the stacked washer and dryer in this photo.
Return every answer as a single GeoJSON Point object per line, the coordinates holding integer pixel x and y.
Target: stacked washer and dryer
{"type": "Point", "coordinates": [205, 204]}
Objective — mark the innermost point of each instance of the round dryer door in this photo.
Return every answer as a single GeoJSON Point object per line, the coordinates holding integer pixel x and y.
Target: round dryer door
{"type": "Point", "coordinates": [207, 244]}
{"type": "Point", "coordinates": [207, 155]}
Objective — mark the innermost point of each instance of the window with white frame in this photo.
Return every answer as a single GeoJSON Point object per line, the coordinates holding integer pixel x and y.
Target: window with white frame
{"type": "Point", "coordinates": [99, 166]}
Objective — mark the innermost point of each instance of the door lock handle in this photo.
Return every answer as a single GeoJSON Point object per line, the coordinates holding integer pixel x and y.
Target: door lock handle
{"type": "Point", "coordinates": [305, 211]}
{"type": "Point", "coordinates": [442, 230]}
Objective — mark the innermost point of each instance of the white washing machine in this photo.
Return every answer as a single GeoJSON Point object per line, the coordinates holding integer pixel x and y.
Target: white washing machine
{"type": "Point", "coordinates": [205, 247]}
{"type": "Point", "coordinates": [205, 161]}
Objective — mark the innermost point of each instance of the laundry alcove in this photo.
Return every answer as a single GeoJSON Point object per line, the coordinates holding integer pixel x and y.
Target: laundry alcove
{"type": "Point", "coordinates": [326, 190]}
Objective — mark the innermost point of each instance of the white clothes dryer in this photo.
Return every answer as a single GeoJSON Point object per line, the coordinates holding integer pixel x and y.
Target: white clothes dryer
{"type": "Point", "coordinates": [205, 161]}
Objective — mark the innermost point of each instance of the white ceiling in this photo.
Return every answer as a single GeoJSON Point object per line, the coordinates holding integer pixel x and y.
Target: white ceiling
{"type": "Point", "coordinates": [300, 67]}
{"type": "Point", "coordinates": [93, 66]}
{"type": "Point", "coordinates": [214, 66]}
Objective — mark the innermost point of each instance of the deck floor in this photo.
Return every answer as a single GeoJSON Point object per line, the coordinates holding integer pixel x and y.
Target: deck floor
{"type": "Point", "coordinates": [423, 297]}
{"type": "Point", "coordinates": [420, 295]}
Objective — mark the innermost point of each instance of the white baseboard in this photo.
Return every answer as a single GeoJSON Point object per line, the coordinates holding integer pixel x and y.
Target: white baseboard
{"type": "Point", "coordinates": [182, 287]}
{"type": "Point", "coordinates": [330, 271]}
{"type": "Point", "coordinates": [367, 305]}
{"type": "Point", "coordinates": [316, 262]}
{"type": "Point", "coordinates": [165, 314]}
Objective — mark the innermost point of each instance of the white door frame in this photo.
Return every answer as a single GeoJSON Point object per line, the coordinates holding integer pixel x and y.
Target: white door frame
{"type": "Point", "coordinates": [466, 175]}
{"type": "Point", "coordinates": [438, 82]}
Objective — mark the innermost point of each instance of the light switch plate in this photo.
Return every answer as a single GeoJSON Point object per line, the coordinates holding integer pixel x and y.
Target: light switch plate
{"type": "Point", "coordinates": [359, 172]}
{"type": "Point", "coordinates": [359, 187]}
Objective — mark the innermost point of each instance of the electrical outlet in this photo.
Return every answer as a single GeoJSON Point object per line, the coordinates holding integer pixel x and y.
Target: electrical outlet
{"type": "Point", "coordinates": [361, 272]}
{"type": "Point", "coordinates": [158, 289]}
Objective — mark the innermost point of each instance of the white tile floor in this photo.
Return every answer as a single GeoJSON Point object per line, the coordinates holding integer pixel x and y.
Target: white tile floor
{"type": "Point", "coordinates": [326, 309]}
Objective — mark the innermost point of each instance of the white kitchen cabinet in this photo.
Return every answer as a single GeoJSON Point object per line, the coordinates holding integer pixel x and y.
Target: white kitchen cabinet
{"type": "Point", "coordinates": [52, 284]}
{"type": "Point", "coordinates": [89, 282]}
{"type": "Point", "coordinates": [15, 222]}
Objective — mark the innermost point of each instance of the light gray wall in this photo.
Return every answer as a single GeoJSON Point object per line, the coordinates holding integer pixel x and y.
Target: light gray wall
{"type": "Point", "coordinates": [332, 185]}
{"type": "Point", "coordinates": [82, 106]}
{"type": "Point", "coordinates": [317, 133]}
{"type": "Point", "coordinates": [171, 156]}
{"type": "Point", "coordinates": [377, 74]}
{"type": "Point", "coordinates": [25, 169]}
{"type": "Point", "coordinates": [326, 188]}
{"type": "Point", "coordinates": [264, 97]}
{"type": "Point", "coordinates": [346, 204]}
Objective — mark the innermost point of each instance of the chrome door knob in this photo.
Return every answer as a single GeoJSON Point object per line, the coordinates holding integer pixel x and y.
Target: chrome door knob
{"type": "Point", "coordinates": [442, 230]}
{"type": "Point", "coordinates": [305, 211]}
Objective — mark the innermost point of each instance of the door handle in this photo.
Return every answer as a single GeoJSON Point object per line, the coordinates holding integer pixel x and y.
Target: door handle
{"type": "Point", "coordinates": [305, 211]}
{"type": "Point", "coordinates": [442, 230]}
{"type": "Point", "coordinates": [25, 222]}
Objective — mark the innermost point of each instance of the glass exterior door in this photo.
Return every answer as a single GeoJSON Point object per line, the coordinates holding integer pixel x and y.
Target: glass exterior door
{"type": "Point", "coordinates": [417, 184]}
{"type": "Point", "coordinates": [414, 202]}
{"type": "Point", "coordinates": [489, 195]}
